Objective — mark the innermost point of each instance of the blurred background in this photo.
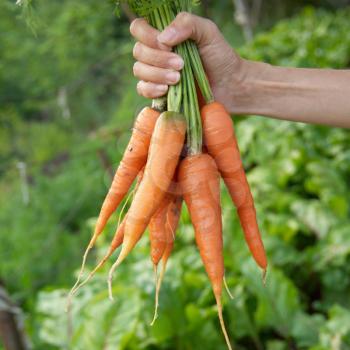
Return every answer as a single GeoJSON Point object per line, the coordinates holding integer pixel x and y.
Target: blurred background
{"type": "Point", "coordinates": [67, 104]}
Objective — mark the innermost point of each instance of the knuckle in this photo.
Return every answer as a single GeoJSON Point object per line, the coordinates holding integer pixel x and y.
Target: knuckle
{"type": "Point", "coordinates": [212, 25]}
{"type": "Point", "coordinates": [185, 18]}
{"type": "Point", "coordinates": [161, 59]}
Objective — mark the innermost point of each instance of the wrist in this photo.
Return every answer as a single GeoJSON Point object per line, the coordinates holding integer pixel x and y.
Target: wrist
{"type": "Point", "coordinates": [296, 94]}
{"type": "Point", "coordinates": [247, 93]}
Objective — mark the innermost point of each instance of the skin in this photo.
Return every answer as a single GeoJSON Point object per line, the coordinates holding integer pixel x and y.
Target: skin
{"type": "Point", "coordinates": [318, 96]}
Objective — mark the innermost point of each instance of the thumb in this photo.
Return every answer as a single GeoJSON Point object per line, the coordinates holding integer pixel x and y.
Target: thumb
{"type": "Point", "coordinates": [188, 26]}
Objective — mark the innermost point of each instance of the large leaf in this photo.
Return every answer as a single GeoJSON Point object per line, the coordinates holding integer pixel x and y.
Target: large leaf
{"type": "Point", "coordinates": [278, 302]}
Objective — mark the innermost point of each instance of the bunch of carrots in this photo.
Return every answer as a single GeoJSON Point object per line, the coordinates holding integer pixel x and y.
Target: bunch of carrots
{"type": "Point", "coordinates": [178, 152]}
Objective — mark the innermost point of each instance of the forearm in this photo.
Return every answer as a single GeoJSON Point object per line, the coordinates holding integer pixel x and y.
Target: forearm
{"type": "Point", "coordinates": [318, 96]}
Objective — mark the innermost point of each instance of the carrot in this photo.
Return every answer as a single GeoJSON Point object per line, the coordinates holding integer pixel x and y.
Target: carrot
{"type": "Point", "coordinates": [116, 242]}
{"type": "Point", "coordinates": [172, 219]}
{"type": "Point", "coordinates": [164, 152]}
{"type": "Point", "coordinates": [199, 178]}
{"type": "Point", "coordinates": [134, 159]}
{"type": "Point", "coordinates": [158, 240]}
{"type": "Point", "coordinates": [222, 145]}
{"type": "Point", "coordinates": [162, 220]}
{"type": "Point", "coordinates": [157, 232]}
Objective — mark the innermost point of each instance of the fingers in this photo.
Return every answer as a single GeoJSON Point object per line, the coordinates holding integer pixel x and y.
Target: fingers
{"type": "Point", "coordinates": [156, 66]}
{"type": "Point", "coordinates": [155, 75]}
{"type": "Point", "coordinates": [158, 58]}
{"type": "Point", "coordinates": [188, 26]}
{"type": "Point", "coordinates": [146, 34]}
{"type": "Point", "coordinates": [151, 90]}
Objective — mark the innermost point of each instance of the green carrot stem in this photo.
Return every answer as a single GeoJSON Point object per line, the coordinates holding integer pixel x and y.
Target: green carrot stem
{"type": "Point", "coordinates": [196, 147]}
{"type": "Point", "coordinates": [190, 101]}
{"type": "Point", "coordinates": [195, 59]}
{"type": "Point", "coordinates": [199, 72]}
{"type": "Point", "coordinates": [163, 17]}
{"type": "Point", "coordinates": [186, 107]}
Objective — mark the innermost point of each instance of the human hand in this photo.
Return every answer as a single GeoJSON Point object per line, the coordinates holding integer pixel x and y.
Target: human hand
{"type": "Point", "coordinates": [157, 67]}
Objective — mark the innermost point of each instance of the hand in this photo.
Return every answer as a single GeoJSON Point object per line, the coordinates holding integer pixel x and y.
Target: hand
{"type": "Point", "coordinates": [243, 86]}
{"type": "Point", "coordinates": [157, 67]}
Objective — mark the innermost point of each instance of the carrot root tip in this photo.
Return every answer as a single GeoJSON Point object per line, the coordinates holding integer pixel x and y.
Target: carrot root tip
{"type": "Point", "coordinates": [155, 316]}
{"type": "Point", "coordinates": [91, 274]}
{"type": "Point", "coordinates": [68, 303]}
{"type": "Point", "coordinates": [110, 277]}
{"type": "Point", "coordinates": [80, 275]}
{"type": "Point", "coordinates": [264, 277]}
{"type": "Point", "coordinates": [158, 286]}
{"type": "Point", "coordinates": [154, 319]}
{"type": "Point", "coordinates": [222, 322]}
{"type": "Point", "coordinates": [110, 289]}
{"type": "Point", "coordinates": [228, 290]}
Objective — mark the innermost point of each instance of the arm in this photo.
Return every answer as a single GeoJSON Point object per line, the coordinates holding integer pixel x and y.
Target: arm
{"type": "Point", "coordinates": [319, 96]}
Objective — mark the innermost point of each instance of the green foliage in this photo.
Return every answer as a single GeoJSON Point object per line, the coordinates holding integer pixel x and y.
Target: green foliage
{"type": "Point", "coordinates": [298, 173]}
{"type": "Point", "coordinates": [321, 41]}
{"type": "Point", "coordinates": [56, 88]}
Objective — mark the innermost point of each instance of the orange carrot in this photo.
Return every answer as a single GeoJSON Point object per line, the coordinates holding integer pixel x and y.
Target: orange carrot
{"type": "Point", "coordinates": [116, 243]}
{"type": "Point", "coordinates": [172, 217]}
{"type": "Point", "coordinates": [164, 218]}
{"type": "Point", "coordinates": [164, 152]}
{"type": "Point", "coordinates": [199, 178]}
{"type": "Point", "coordinates": [222, 145]}
{"type": "Point", "coordinates": [134, 159]}
{"type": "Point", "coordinates": [157, 232]}
{"type": "Point", "coordinates": [158, 240]}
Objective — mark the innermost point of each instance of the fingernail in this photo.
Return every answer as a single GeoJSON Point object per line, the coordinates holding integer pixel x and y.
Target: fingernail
{"type": "Point", "coordinates": [173, 77]}
{"type": "Point", "coordinates": [167, 35]}
{"type": "Point", "coordinates": [176, 63]}
{"type": "Point", "coordinates": [162, 88]}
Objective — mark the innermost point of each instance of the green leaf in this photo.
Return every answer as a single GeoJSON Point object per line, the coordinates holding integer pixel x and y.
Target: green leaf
{"type": "Point", "coordinates": [278, 302]}
{"type": "Point", "coordinates": [315, 215]}
{"type": "Point", "coordinates": [335, 334]}
{"type": "Point", "coordinates": [306, 329]}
